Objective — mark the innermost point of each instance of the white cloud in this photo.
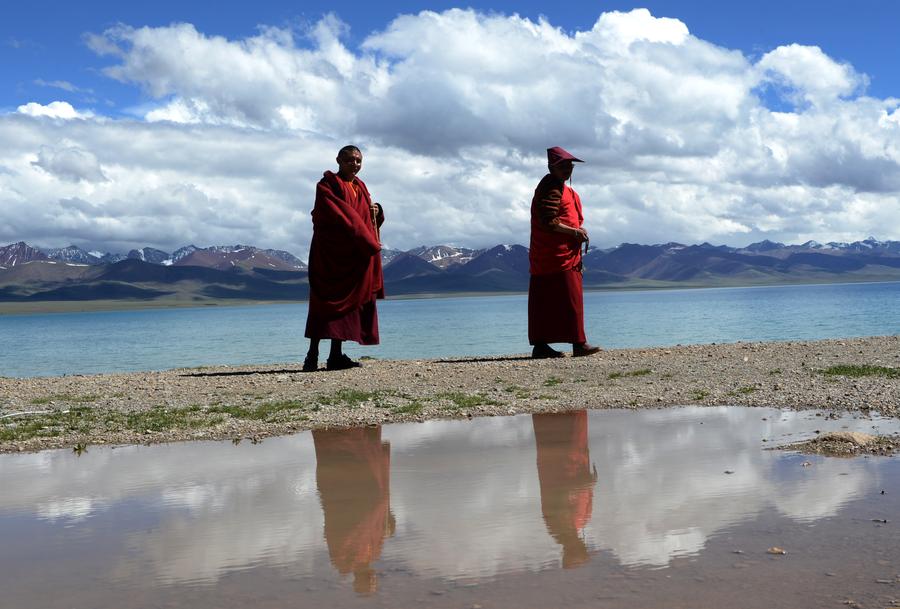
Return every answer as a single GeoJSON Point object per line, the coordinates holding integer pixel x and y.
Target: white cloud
{"type": "Point", "coordinates": [679, 142]}
{"type": "Point", "coordinates": [817, 78]}
{"type": "Point", "coordinates": [56, 109]}
{"type": "Point", "coordinates": [70, 163]}
{"type": "Point", "coordinates": [61, 84]}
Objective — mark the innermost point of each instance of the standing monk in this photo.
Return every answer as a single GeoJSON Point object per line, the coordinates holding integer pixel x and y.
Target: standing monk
{"type": "Point", "coordinates": [555, 301]}
{"type": "Point", "coordinates": [344, 264]}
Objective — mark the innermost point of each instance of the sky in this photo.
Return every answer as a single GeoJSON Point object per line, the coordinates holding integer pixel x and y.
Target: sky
{"type": "Point", "coordinates": [163, 124]}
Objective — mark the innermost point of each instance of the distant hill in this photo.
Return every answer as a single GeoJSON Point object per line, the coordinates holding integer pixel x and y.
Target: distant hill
{"type": "Point", "coordinates": [247, 272]}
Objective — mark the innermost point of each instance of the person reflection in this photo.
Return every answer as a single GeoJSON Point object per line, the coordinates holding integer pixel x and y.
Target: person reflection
{"type": "Point", "coordinates": [353, 479]}
{"type": "Point", "coordinates": [566, 480]}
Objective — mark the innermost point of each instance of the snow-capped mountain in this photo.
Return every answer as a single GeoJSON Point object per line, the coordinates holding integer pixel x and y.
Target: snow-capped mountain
{"type": "Point", "coordinates": [148, 254]}
{"type": "Point", "coordinates": [19, 253]}
{"type": "Point", "coordinates": [72, 255]}
{"type": "Point", "coordinates": [443, 256]}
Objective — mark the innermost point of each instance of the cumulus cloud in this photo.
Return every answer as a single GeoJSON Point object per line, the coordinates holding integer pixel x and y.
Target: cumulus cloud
{"type": "Point", "coordinates": [680, 142]}
{"type": "Point", "coordinates": [56, 109]}
{"type": "Point", "coordinates": [810, 73]}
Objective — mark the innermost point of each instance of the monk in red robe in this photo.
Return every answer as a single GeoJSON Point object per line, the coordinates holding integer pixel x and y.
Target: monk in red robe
{"type": "Point", "coordinates": [555, 300]}
{"type": "Point", "coordinates": [345, 275]}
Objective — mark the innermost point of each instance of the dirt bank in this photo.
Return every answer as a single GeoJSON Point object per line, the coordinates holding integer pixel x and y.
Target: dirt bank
{"type": "Point", "coordinates": [258, 401]}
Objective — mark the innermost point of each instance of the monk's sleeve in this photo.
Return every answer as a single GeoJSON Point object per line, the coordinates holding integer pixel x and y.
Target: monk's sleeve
{"type": "Point", "coordinates": [547, 202]}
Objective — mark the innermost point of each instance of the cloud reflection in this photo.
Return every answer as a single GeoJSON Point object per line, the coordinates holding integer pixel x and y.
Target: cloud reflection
{"type": "Point", "coordinates": [441, 499]}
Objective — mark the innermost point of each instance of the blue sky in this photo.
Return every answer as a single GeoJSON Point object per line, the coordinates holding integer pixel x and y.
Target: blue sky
{"type": "Point", "coordinates": [701, 120]}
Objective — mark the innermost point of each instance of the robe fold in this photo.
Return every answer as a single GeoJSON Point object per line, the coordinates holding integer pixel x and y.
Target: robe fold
{"type": "Point", "coordinates": [345, 276]}
{"type": "Point", "coordinates": [555, 299]}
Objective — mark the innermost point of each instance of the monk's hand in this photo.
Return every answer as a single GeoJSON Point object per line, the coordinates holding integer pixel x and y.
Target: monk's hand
{"type": "Point", "coordinates": [580, 234]}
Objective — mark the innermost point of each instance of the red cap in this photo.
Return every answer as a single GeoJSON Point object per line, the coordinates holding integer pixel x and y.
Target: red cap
{"type": "Point", "coordinates": [557, 155]}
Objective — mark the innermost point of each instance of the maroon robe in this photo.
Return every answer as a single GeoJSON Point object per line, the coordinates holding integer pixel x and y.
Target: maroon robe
{"type": "Point", "coordinates": [345, 274]}
{"type": "Point", "coordinates": [555, 300]}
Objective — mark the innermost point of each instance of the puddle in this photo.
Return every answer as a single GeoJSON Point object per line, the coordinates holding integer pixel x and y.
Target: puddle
{"type": "Point", "coordinates": [666, 508]}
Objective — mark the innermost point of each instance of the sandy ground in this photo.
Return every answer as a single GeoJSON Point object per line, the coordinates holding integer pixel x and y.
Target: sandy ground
{"type": "Point", "coordinates": [259, 401]}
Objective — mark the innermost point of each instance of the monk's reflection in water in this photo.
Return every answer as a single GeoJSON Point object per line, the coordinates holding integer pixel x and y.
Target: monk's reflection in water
{"type": "Point", "coordinates": [353, 479]}
{"type": "Point", "coordinates": [566, 479]}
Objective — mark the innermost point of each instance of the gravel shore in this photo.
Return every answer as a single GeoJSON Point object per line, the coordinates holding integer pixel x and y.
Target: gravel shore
{"type": "Point", "coordinates": [259, 401]}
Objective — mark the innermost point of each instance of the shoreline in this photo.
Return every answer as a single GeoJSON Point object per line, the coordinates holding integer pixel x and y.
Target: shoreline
{"type": "Point", "coordinates": [223, 402]}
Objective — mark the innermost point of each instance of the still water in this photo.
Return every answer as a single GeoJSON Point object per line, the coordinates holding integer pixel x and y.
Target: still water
{"type": "Point", "coordinates": [85, 343]}
{"type": "Point", "coordinates": [669, 508]}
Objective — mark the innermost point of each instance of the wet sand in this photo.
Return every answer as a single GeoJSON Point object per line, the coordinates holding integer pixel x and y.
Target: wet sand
{"type": "Point", "coordinates": [260, 401]}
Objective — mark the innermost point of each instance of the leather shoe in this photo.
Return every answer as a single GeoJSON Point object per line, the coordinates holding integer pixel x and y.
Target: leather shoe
{"type": "Point", "coordinates": [584, 349]}
{"type": "Point", "coordinates": [341, 362]}
{"type": "Point", "coordinates": [310, 364]}
{"type": "Point", "coordinates": [544, 351]}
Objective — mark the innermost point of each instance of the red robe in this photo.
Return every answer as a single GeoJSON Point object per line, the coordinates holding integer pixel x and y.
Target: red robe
{"type": "Point", "coordinates": [555, 300]}
{"type": "Point", "coordinates": [345, 274]}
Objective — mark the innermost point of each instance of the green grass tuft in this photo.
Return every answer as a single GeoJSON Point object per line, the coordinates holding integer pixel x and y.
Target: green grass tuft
{"type": "Point", "coordinates": [466, 400]}
{"type": "Point", "coordinates": [856, 371]}
{"type": "Point", "coordinates": [700, 394]}
{"type": "Point", "coordinates": [641, 372]}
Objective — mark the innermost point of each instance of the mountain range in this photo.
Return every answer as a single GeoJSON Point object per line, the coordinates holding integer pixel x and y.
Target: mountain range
{"type": "Point", "coordinates": [196, 274]}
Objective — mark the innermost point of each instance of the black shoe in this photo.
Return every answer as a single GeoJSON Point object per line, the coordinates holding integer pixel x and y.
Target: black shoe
{"type": "Point", "coordinates": [341, 362]}
{"type": "Point", "coordinates": [584, 349]}
{"type": "Point", "coordinates": [310, 364]}
{"type": "Point", "coordinates": [544, 351]}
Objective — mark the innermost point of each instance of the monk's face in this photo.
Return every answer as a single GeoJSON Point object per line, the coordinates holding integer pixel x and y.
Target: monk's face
{"type": "Point", "coordinates": [562, 170]}
{"type": "Point", "coordinates": [349, 164]}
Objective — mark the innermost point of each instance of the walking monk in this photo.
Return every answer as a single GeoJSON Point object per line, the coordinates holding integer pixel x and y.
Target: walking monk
{"type": "Point", "coordinates": [344, 264]}
{"type": "Point", "coordinates": [555, 301]}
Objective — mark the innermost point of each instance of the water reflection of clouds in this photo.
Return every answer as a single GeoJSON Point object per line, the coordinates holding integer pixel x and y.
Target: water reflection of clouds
{"type": "Point", "coordinates": [465, 496]}
{"type": "Point", "coordinates": [671, 498]}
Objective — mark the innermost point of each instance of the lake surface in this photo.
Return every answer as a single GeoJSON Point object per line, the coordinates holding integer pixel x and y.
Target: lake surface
{"type": "Point", "coordinates": [118, 341]}
{"type": "Point", "coordinates": [669, 508]}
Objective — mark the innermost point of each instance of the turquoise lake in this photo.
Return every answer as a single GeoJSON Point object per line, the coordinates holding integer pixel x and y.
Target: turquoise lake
{"type": "Point", "coordinates": [119, 341]}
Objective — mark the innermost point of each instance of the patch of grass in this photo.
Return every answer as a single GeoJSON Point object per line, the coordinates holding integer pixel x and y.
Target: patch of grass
{"type": "Point", "coordinates": [667, 375]}
{"type": "Point", "coordinates": [520, 392]}
{"type": "Point", "coordinates": [414, 407]}
{"type": "Point", "coordinates": [552, 381]}
{"type": "Point", "coordinates": [466, 400]}
{"type": "Point", "coordinates": [699, 394]}
{"type": "Point", "coordinates": [84, 420]}
{"type": "Point", "coordinates": [856, 371]}
{"type": "Point", "coordinates": [65, 397]}
{"type": "Point", "coordinates": [349, 397]}
{"type": "Point", "coordinates": [261, 412]}
{"type": "Point", "coordinates": [641, 372]}
{"type": "Point", "coordinates": [774, 371]}
{"type": "Point", "coordinates": [742, 390]}
{"type": "Point", "coordinates": [160, 419]}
